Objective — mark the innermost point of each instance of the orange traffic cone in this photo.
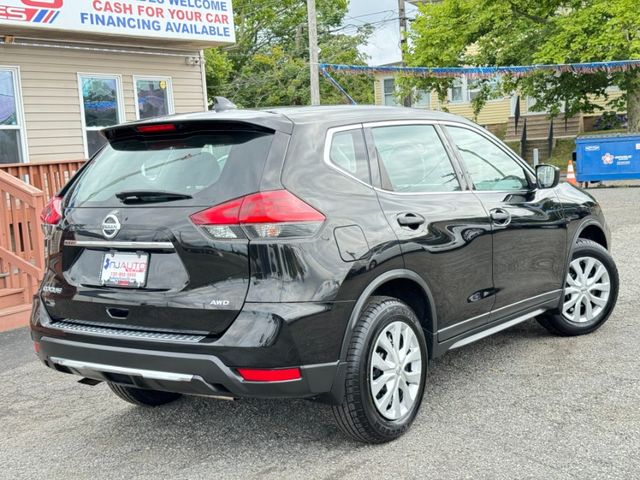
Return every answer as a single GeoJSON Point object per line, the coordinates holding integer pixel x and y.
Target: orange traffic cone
{"type": "Point", "coordinates": [571, 175]}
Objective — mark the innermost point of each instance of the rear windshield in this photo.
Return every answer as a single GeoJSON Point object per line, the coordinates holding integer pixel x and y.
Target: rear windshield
{"type": "Point", "coordinates": [207, 167]}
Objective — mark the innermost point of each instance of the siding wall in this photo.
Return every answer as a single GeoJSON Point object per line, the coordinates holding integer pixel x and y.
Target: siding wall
{"type": "Point", "coordinates": [50, 91]}
{"type": "Point", "coordinates": [494, 112]}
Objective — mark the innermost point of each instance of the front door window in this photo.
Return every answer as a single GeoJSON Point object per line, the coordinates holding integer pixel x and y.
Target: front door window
{"type": "Point", "coordinates": [490, 167]}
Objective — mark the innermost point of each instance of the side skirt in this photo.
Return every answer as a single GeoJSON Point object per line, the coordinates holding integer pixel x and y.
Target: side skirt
{"type": "Point", "coordinates": [475, 334]}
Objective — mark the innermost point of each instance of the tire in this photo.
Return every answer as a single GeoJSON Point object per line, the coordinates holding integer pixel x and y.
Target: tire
{"type": "Point", "coordinates": [362, 415]}
{"type": "Point", "coordinates": [569, 323]}
{"type": "Point", "coordinates": [141, 397]}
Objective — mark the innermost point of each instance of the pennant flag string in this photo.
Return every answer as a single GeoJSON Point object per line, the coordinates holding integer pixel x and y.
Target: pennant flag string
{"type": "Point", "coordinates": [484, 72]}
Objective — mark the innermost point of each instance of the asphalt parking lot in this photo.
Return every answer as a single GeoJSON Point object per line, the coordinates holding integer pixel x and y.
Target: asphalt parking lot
{"type": "Point", "coordinates": [521, 404]}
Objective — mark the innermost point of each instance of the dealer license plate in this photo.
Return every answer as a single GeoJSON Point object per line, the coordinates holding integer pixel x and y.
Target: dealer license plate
{"type": "Point", "coordinates": [124, 269]}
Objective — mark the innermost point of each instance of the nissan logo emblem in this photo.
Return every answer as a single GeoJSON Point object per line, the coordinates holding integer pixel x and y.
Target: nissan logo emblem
{"type": "Point", "coordinates": [110, 226]}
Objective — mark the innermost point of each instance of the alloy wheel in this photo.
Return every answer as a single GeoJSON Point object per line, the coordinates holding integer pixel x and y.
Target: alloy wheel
{"type": "Point", "coordinates": [586, 291]}
{"type": "Point", "coordinates": [396, 370]}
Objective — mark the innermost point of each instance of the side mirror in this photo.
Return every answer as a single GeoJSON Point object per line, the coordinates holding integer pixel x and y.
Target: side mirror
{"type": "Point", "coordinates": [547, 176]}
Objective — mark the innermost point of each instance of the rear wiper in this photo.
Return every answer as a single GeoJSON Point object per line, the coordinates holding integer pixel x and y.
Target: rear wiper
{"type": "Point", "coordinates": [150, 196]}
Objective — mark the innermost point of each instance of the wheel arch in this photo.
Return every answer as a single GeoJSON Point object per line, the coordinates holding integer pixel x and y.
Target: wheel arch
{"type": "Point", "coordinates": [592, 230]}
{"type": "Point", "coordinates": [588, 229]}
{"type": "Point", "coordinates": [406, 285]}
{"type": "Point", "coordinates": [388, 282]}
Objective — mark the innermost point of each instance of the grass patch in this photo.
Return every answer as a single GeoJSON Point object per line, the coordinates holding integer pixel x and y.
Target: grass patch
{"type": "Point", "coordinates": [604, 132]}
{"type": "Point", "coordinates": [563, 152]}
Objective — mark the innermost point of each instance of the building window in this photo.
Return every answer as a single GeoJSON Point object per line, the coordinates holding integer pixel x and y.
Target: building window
{"type": "Point", "coordinates": [12, 140]}
{"type": "Point", "coordinates": [390, 98]}
{"type": "Point", "coordinates": [154, 97]}
{"type": "Point", "coordinates": [458, 93]}
{"type": "Point", "coordinates": [421, 99]}
{"type": "Point", "coordinates": [101, 107]}
{"type": "Point", "coordinates": [464, 90]}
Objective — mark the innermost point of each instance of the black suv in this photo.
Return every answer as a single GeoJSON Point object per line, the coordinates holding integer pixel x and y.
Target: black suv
{"type": "Point", "coordinates": [327, 253]}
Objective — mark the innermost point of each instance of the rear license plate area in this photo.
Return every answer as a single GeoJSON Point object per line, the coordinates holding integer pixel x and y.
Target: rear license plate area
{"type": "Point", "coordinates": [124, 269]}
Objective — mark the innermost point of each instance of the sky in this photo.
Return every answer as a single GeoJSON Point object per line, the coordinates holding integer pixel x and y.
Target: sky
{"type": "Point", "coordinates": [384, 44]}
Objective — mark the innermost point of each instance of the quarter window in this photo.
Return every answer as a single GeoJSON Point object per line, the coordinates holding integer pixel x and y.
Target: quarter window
{"type": "Point", "coordinates": [154, 97]}
{"type": "Point", "coordinates": [101, 107]}
{"type": "Point", "coordinates": [490, 167]}
{"type": "Point", "coordinates": [348, 153]}
{"type": "Point", "coordinates": [413, 159]}
{"type": "Point", "coordinates": [11, 127]}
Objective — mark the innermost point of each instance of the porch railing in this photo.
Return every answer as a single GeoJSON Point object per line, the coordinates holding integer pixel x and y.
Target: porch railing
{"type": "Point", "coordinates": [21, 236]}
{"type": "Point", "coordinates": [48, 177]}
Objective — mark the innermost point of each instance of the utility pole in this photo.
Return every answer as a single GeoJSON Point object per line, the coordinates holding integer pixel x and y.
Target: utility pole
{"type": "Point", "coordinates": [402, 14]}
{"type": "Point", "coordinates": [313, 52]}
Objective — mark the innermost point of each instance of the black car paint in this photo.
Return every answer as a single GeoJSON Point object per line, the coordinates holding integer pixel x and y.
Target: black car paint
{"type": "Point", "coordinates": [301, 299]}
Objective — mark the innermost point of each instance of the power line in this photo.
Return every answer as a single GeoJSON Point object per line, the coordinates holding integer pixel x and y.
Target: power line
{"type": "Point", "coordinates": [368, 14]}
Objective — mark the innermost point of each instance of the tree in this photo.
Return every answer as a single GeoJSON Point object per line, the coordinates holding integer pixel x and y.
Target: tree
{"type": "Point", "coordinates": [521, 32]}
{"type": "Point", "coordinates": [268, 66]}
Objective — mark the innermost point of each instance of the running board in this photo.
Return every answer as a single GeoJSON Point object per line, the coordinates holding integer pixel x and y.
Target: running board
{"type": "Point", "coordinates": [498, 328]}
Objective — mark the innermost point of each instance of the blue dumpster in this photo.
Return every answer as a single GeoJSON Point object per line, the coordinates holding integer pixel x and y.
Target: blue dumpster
{"type": "Point", "coordinates": [608, 157]}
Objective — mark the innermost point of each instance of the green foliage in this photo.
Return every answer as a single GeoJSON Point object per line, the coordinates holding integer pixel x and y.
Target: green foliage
{"type": "Point", "coordinates": [269, 66]}
{"type": "Point", "coordinates": [522, 32]}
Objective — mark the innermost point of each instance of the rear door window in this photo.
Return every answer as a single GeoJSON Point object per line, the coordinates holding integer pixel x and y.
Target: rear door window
{"type": "Point", "coordinates": [206, 167]}
{"type": "Point", "coordinates": [413, 159]}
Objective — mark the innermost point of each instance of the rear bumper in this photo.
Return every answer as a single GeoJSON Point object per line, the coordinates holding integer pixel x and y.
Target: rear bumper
{"type": "Point", "coordinates": [305, 336]}
{"type": "Point", "coordinates": [190, 374]}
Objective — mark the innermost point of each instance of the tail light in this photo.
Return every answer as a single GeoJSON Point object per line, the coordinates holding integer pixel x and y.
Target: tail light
{"type": "Point", "coordinates": [273, 214]}
{"type": "Point", "coordinates": [52, 213]}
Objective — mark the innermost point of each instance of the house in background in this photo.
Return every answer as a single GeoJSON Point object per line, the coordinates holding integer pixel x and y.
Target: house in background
{"type": "Point", "coordinates": [506, 116]}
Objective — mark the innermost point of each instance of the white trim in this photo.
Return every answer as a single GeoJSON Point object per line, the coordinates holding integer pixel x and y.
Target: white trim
{"type": "Point", "coordinates": [170, 105]}
{"type": "Point", "coordinates": [203, 73]}
{"type": "Point", "coordinates": [22, 123]}
{"type": "Point", "coordinates": [120, 101]}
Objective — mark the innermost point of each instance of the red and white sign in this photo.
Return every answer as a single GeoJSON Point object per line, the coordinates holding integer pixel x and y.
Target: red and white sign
{"type": "Point", "coordinates": [205, 21]}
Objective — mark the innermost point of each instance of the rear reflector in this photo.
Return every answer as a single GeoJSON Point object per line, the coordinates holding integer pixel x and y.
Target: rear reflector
{"type": "Point", "coordinates": [273, 214]}
{"type": "Point", "coordinates": [163, 127]}
{"type": "Point", "coordinates": [269, 375]}
{"type": "Point", "coordinates": [52, 213]}
{"type": "Point", "coordinates": [36, 347]}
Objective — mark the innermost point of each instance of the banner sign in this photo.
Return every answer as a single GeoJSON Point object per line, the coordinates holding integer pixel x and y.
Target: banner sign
{"type": "Point", "coordinates": [205, 21]}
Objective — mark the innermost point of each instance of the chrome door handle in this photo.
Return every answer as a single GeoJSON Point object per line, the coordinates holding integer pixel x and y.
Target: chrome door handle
{"type": "Point", "coordinates": [500, 217]}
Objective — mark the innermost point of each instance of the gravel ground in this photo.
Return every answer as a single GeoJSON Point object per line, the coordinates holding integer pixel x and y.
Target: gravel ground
{"type": "Point", "coordinates": [521, 404]}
